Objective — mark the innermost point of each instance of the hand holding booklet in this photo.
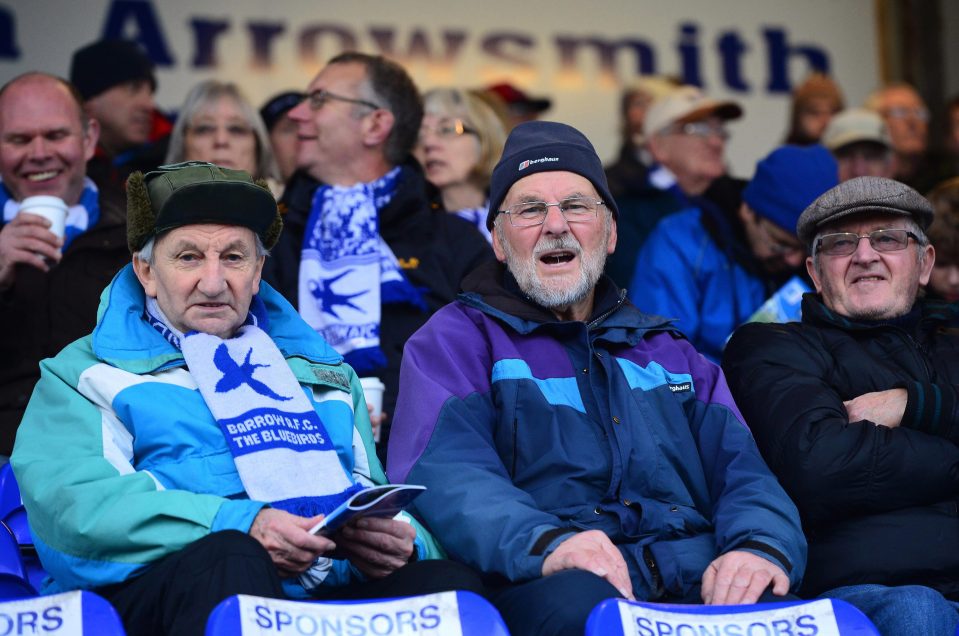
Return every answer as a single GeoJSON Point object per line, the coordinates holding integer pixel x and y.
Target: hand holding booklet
{"type": "Point", "coordinates": [378, 501]}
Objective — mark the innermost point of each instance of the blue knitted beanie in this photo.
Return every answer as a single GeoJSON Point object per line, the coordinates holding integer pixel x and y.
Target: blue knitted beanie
{"type": "Point", "coordinates": [788, 180]}
{"type": "Point", "coordinates": [546, 146]}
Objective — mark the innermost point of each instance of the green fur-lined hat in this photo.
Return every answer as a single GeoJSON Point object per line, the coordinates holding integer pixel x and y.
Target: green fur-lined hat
{"type": "Point", "coordinates": [198, 192]}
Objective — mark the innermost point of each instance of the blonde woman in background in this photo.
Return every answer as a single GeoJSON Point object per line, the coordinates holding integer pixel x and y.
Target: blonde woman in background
{"type": "Point", "coordinates": [218, 124]}
{"type": "Point", "coordinates": [461, 139]}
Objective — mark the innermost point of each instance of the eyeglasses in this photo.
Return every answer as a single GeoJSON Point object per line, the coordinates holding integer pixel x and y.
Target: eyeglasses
{"type": "Point", "coordinates": [530, 213]}
{"type": "Point", "coordinates": [901, 112]}
{"type": "Point", "coordinates": [208, 130]}
{"type": "Point", "coordinates": [845, 243]}
{"type": "Point", "coordinates": [447, 129]}
{"type": "Point", "coordinates": [319, 98]}
{"type": "Point", "coordinates": [703, 129]}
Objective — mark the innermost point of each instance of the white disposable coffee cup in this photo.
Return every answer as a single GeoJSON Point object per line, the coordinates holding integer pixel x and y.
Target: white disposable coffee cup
{"type": "Point", "coordinates": [373, 391]}
{"type": "Point", "coordinates": [51, 208]}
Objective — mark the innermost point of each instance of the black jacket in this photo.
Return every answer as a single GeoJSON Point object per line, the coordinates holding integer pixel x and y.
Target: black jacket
{"type": "Point", "coordinates": [878, 504]}
{"type": "Point", "coordinates": [434, 249]}
{"type": "Point", "coordinates": [44, 312]}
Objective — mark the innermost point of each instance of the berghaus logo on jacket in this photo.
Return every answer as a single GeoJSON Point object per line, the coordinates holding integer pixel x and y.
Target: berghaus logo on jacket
{"type": "Point", "coordinates": [529, 162]}
{"type": "Point", "coordinates": [680, 388]}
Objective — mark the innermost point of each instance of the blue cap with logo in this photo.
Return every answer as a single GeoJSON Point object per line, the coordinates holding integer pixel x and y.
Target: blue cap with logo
{"type": "Point", "coordinates": [546, 146]}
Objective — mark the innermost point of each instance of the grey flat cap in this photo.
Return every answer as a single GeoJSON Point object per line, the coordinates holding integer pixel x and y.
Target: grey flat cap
{"type": "Point", "coordinates": [863, 194]}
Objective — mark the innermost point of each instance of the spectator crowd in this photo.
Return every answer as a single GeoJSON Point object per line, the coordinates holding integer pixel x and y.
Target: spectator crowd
{"type": "Point", "coordinates": [648, 380]}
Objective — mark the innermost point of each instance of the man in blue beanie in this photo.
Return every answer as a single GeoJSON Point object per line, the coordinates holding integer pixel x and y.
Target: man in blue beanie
{"type": "Point", "coordinates": [712, 271]}
{"type": "Point", "coordinates": [575, 448]}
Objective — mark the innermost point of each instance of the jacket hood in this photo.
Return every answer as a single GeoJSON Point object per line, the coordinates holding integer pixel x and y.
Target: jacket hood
{"type": "Point", "coordinates": [122, 338]}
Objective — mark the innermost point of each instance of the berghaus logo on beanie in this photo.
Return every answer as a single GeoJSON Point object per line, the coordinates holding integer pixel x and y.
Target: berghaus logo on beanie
{"type": "Point", "coordinates": [526, 164]}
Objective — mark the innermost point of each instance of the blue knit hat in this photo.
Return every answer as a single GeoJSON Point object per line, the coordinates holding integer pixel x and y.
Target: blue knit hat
{"type": "Point", "coordinates": [788, 180]}
{"type": "Point", "coordinates": [546, 146]}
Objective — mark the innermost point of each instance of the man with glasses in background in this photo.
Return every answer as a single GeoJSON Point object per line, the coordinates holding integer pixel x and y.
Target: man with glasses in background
{"type": "Point", "coordinates": [362, 257]}
{"type": "Point", "coordinates": [574, 448]}
{"type": "Point", "coordinates": [907, 119]}
{"type": "Point", "coordinates": [685, 135]}
{"type": "Point", "coordinates": [856, 409]}
{"type": "Point", "coordinates": [711, 272]}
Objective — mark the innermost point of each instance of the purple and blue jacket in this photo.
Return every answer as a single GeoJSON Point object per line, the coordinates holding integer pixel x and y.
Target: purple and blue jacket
{"type": "Point", "coordinates": [526, 430]}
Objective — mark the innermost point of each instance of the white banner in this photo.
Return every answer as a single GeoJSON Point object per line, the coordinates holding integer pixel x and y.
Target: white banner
{"type": "Point", "coordinates": [578, 54]}
{"type": "Point", "coordinates": [429, 615]}
{"type": "Point", "coordinates": [807, 619]}
{"type": "Point", "coordinates": [57, 615]}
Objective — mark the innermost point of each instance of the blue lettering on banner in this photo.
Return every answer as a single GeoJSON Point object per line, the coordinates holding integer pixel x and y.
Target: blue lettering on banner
{"type": "Point", "coordinates": [30, 622]}
{"type": "Point", "coordinates": [803, 625]}
{"type": "Point", "coordinates": [395, 623]}
{"type": "Point", "coordinates": [446, 47]}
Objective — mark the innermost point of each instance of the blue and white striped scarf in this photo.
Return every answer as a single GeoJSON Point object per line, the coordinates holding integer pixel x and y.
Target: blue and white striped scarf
{"type": "Point", "coordinates": [477, 216]}
{"type": "Point", "coordinates": [80, 217]}
{"type": "Point", "coordinates": [347, 271]}
{"type": "Point", "coordinates": [282, 451]}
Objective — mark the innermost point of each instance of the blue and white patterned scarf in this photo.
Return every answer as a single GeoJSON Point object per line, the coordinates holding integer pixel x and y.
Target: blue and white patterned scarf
{"type": "Point", "coordinates": [80, 217]}
{"type": "Point", "coordinates": [282, 451]}
{"type": "Point", "coordinates": [477, 216]}
{"type": "Point", "coordinates": [347, 271]}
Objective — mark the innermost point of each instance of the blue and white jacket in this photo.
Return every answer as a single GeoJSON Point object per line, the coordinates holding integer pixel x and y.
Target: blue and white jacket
{"type": "Point", "coordinates": [120, 461]}
{"type": "Point", "coordinates": [682, 273]}
{"type": "Point", "coordinates": [526, 429]}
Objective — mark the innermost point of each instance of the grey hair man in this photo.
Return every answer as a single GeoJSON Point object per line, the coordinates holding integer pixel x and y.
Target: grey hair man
{"type": "Point", "coordinates": [856, 408]}
{"type": "Point", "coordinates": [529, 407]}
{"type": "Point", "coordinates": [182, 452]}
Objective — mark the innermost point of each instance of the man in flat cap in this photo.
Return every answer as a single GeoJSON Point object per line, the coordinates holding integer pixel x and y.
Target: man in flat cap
{"type": "Point", "coordinates": [575, 448]}
{"type": "Point", "coordinates": [856, 409]}
{"type": "Point", "coordinates": [181, 452]}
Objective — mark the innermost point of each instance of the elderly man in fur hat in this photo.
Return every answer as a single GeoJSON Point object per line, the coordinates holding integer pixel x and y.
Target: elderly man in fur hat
{"type": "Point", "coordinates": [181, 453]}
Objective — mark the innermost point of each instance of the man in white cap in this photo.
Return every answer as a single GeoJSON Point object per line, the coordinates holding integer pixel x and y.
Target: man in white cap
{"type": "Point", "coordinates": [859, 141]}
{"type": "Point", "coordinates": [685, 134]}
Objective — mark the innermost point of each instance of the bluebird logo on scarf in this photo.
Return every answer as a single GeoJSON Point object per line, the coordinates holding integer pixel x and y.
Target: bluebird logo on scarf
{"type": "Point", "coordinates": [323, 292]}
{"type": "Point", "coordinates": [275, 440]}
{"type": "Point", "coordinates": [235, 375]}
{"type": "Point", "coordinates": [342, 246]}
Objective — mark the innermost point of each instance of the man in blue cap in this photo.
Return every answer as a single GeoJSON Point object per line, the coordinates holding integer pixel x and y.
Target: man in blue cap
{"type": "Point", "coordinates": [575, 448]}
{"type": "Point", "coordinates": [712, 271]}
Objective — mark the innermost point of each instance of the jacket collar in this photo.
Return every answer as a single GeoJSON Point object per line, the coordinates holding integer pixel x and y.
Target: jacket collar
{"type": "Point", "coordinates": [925, 315]}
{"type": "Point", "coordinates": [492, 289]}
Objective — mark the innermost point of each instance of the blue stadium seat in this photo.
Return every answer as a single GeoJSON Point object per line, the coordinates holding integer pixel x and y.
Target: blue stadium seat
{"type": "Point", "coordinates": [617, 617]}
{"type": "Point", "coordinates": [70, 613]}
{"type": "Point", "coordinates": [450, 613]}
{"type": "Point", "coordinates": [9, 491]}
{"type": "Point", "coordinates": [13, 576]}
{"type": "Point", "coordinates": [14, 516]}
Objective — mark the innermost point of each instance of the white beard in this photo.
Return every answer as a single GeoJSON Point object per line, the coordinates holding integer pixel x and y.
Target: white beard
{"type": "Point", "coordinates": [561, 291]}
